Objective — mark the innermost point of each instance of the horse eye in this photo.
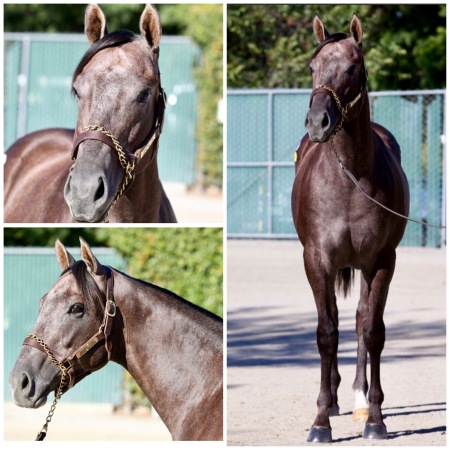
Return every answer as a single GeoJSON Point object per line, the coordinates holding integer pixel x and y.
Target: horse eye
{"type": "Point", "coordinates": [77, 308]}
{"type": "Point", "coordinates": [75, 93]}
{"type": "Point", "coordinates": [351, 70]}
{"type": "Point", "coordinates": [144, 96]}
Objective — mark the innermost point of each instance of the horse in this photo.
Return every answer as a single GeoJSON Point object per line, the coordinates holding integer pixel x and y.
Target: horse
{"type": "Point", "coordinates": [93, 314]}
{"type": "Point", "coordinates": [106, 169]}
{"type": "Point", "coordinates": [339, 228]}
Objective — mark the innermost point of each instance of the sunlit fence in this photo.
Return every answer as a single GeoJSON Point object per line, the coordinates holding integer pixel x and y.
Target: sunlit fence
{"type": "Point", "coordinates": [264, 129]}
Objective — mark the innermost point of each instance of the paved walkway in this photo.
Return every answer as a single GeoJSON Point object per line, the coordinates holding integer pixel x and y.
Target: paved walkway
{"type": "Point", "coordinates": [273, 363]}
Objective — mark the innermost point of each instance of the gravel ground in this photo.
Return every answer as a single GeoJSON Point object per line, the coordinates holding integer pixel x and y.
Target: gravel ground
{"type": "Point", "coordinates": [273, 363]}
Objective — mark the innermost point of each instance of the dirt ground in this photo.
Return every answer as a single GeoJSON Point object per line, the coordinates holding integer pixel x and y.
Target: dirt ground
{"type": "Point", "coordinates": [273, 363]}
{"type": "Point", "coordinates": [81, 422]}
{"type": "Point", "coordinates": [194, 206]}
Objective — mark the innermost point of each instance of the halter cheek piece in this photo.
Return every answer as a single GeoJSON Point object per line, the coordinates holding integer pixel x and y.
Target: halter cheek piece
{"type": "Point", "coordinates": [72, 366]}
{"type": "Point", "coordinates": [128, 160]}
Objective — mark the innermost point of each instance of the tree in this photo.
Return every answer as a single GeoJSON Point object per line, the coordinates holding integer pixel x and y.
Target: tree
{"type": "Point", "coordinates": [271, 45]}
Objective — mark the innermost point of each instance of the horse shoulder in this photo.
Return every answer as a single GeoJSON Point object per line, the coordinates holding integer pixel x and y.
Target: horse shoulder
{"type": "Point", "coordinates": [34, 164]}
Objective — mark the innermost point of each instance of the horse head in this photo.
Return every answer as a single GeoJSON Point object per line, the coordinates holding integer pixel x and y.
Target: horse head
{"type": "Point", "coordinates": [70, 315]}
{"type": "Point", "coordinates": [117, 85]}
{"type": "Point", "coordinates": [339, 79]}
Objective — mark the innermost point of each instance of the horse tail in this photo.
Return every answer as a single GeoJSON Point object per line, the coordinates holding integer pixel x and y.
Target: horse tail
{"type": "Point", "coordinates": [344, 280]}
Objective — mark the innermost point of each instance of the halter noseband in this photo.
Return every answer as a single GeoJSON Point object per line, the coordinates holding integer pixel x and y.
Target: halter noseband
{"type": "Point", "coordinates": [128, 160]}
{"type": "Point", "coordinates": [72, 366]}
{"type": "Point", "coordinates": [344, 110]}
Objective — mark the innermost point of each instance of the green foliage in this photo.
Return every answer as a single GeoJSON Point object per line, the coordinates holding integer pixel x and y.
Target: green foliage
{"type": "Point", "coordinates": [271, 45]}
{"type": "Point", "coordinates": [203, 22]}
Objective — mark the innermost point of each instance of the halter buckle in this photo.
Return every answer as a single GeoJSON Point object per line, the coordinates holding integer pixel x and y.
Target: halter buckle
{"type": "Point", "coordinates": [113, 304]}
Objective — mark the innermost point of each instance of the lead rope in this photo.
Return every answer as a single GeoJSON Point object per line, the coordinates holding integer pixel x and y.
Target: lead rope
{"type": "Point", "coordinates": [356, 183]}
{"type": "Point", "coordinates": [58, 392]}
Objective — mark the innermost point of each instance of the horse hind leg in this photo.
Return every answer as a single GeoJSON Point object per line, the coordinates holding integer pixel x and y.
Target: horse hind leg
{"type": "Point", "coordinates": [335, 377]}
{"type": "Point", "coordinates": [360, 385]}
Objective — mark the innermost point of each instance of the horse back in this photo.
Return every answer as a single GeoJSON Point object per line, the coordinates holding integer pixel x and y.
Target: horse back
{"type": "Point", "coordinates": [35, 171]}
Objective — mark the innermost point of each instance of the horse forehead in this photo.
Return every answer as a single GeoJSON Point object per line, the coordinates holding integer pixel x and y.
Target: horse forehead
{"type": "Point", "coordinates": [339, 51]}
{"type": "Point", "coordinates": [66, 285]}
{"type": "Point", "coordinates": [130, 58]}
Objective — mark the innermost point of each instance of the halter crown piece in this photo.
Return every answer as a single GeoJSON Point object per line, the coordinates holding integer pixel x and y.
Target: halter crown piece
{"type": "Point", "coordinates": [71, 367]}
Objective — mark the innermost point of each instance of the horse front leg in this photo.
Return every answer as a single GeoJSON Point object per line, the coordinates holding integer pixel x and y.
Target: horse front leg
{"type": "Point", "coordinates": [374, 336]}
{"type": "Point", "coordinates": [322, 285]}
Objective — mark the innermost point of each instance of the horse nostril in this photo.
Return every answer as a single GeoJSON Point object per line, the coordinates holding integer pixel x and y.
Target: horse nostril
{"type": "Point", "coordinates": [25, 384]}
{"type": "Point", "coordinates": [325, 120]}
{"type": "Point", "coordinates": [100, 190]}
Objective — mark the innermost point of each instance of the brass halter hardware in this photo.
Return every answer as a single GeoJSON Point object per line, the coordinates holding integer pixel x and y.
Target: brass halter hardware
{"type": "Point", "coordinates": [342, 109]}
{"type": "Point", "coordinates": [67, 366]}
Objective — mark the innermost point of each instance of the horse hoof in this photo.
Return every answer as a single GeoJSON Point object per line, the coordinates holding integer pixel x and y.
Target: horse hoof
{"type": "Point", "coordinates": [360, 415]}
{"type": "Point", "coordinates": [375, 431]}
{"type": "Point", "coordinates": [334, 411]}
{"type": "Point", "coordinates": [319, 435]}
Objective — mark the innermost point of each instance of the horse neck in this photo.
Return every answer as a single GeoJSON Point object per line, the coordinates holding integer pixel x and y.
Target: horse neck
{"type": "Point", "coordinates": [172, 349]}
{"type": "Point", "coordinates": [354, 143]}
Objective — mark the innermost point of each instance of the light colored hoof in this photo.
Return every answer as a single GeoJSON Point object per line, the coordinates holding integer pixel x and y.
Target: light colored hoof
{"type": "Point", "coordinates": [360, 415]}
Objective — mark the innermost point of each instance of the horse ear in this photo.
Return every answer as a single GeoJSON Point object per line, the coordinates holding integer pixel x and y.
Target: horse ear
{"type": "Point", "coordinates": [356, 29]}
{"type": "Point", "coordinates": [150, 26]}
{"type": "Point", "coordinates": [90, 260]}
{"type": "Point", "coordinates": [94, 23]}
{"type": "Point", "coordinates": [64, 258]}
{"type": "Point", "coordinates": [320, 32]}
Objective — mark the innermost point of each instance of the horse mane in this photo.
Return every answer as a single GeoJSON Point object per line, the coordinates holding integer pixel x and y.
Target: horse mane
{"type": "Point", "coordinates": [114, 39]}
{"type": "Point", "coordinates": [89, 290]}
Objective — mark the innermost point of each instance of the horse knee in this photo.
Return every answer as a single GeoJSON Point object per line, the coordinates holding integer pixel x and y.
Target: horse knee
{"type": "Point", "coordinates": [374, 336]}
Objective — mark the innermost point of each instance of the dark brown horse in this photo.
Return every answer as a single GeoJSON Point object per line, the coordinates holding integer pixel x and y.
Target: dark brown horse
{"type": "Point", "coordinates": [340, 229]}
{"type": "Point", "coordinates": [93, 314]}
{"type": "Point", "coordinates": [120, 116]}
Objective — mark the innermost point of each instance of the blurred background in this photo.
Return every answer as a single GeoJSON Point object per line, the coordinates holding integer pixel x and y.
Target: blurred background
{"type": "Point", "coordinates": [43, 45]}
{"type": "Point", "coordinates": [187, 261]}
{"type": "Point", "coordinates": [269, 86]}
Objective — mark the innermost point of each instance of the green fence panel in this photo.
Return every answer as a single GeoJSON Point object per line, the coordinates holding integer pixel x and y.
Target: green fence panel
{"type": "Point", "coordinates": [28, 274]}
{"type": "Point", "coordinates": [44, 64]}
{"type": "Point", "coordinates": [434, 169]}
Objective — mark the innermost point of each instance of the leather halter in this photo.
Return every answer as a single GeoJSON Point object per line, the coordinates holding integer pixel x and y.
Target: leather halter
{"type": "Point", "coordinates": [127, 158]}
{"type": "Point", "coordinates": [72, 365]}
{"type": "Point", "coordinates": [324, 89]}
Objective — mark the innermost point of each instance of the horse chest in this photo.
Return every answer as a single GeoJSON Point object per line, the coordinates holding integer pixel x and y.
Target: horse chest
{"type": "Point", "coordinates": [331, 214]}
